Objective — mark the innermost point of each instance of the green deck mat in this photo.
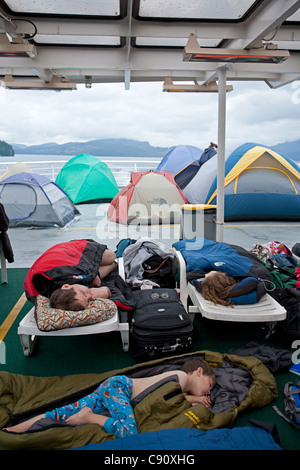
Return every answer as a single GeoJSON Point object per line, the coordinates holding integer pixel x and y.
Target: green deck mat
{"type": "Point", "coordinates": [99, 353]}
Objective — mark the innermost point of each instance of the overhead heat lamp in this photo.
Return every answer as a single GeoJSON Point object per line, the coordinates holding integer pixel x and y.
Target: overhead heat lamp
{"type": "Point", "coordinates": [16, 48]}
{"type": "Point", "coordinates": [212, 87]}
{"type": "Point", "coordinates": [55, 84]}
{"type": "Point", "coordinates": [194, 53]}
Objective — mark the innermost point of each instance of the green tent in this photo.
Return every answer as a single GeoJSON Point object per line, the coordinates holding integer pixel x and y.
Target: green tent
{"type": "Point", "coordinates": [84, 178]}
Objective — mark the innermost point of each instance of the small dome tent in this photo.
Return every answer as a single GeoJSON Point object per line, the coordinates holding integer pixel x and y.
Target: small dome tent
{"type": "Point", "coordinates": [260, 184]}
{"type": "Point", "coordinates": [32, 200]}
{"type": "Point", "coordinates": [18, 167]}
{"type": "Point", "coordinates": [85, 178]}
{"type": "Point", "coordinates": [151, 198]}
{"type": "Point", "coordinates": [183, 162]}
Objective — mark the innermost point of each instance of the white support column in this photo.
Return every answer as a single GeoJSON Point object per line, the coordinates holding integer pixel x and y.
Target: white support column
{"type": "Point", "coordinates": [221, 152]}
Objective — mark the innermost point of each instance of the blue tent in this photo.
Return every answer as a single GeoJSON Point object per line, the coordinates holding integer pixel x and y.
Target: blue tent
{"type": "Point", "coordinates": [183, 162]}
{"type": "Point", "coordinates": [260, 184]}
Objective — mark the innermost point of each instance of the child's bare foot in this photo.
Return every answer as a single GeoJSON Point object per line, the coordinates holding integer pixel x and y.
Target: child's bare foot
{"type": "Point", "coordinates": [81, 417]}
{"type": "Point", "coordinates": [17, 428]}
{"type": "Point", "coordinates": [23, 427]}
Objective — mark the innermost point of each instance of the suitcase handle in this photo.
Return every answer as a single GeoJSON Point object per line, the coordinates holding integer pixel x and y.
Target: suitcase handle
{"type": "Point", "coordinates": [152, 350]}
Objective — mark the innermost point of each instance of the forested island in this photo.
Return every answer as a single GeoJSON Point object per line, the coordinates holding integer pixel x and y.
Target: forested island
{"type": "Point", "coordinates": [6, 150]}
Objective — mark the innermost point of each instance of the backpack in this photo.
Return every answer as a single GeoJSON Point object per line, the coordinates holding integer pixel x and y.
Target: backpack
{"type": "Point", "coordinates": [291, 404]}
{"type": "Point", "coordinates": [281, 275]}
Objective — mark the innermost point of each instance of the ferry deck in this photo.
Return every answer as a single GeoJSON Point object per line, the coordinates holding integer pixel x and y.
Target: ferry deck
{"type": "Point", "coordinates": [98, 353]}
{"type": "Point", "coordinates": [48, 45]}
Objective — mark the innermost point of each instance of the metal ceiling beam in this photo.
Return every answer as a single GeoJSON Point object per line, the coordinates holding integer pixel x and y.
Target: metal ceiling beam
{"type": "Point", "coordinates": [283, 79]}
{"type": "Point", "coordinates": [44, 74]}
{"type": "Point", "coordinates": [264, 23]}
{"type": "Point", "coordinates": [149, 59]}
{"type": "Point", "coordinates": [120, 28]}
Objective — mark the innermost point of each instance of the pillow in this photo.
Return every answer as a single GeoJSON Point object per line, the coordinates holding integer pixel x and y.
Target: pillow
{"type": "Point", "coordinates": [246, 285]}
{"type": "Point", "coordinates": [48, 318]}
{"type": "Point", "coordinates": [248, 291]}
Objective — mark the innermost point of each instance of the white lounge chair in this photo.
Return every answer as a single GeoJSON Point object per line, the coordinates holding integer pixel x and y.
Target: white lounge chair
{"type": "Point", "coordinates": [266, 310]}
{"type": "Point", "coordinates": [29, 332]}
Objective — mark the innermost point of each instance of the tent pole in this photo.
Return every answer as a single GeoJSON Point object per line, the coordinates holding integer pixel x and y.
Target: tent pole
{"type": "Point", "coordinates": [221, 152]}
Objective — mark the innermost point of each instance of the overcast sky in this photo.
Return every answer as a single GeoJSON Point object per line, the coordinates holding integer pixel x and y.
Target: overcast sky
{"type": "Point", "coordinates": [255, 113]}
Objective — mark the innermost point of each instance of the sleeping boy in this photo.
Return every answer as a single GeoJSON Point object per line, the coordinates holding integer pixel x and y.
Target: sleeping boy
{"type": "Point", "coordinates": [196, 379]}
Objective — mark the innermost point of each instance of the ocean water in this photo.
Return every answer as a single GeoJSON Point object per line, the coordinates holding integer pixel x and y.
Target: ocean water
{"type": "Point", "coordinates": [50, 165]}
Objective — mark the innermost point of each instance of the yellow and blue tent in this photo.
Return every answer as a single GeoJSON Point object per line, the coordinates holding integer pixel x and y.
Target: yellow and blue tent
{"type": "Point", "coordinates": [260, 184]}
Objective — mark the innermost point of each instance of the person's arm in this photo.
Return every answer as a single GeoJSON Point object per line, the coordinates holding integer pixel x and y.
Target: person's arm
{"type": "Point", "coordinates": [96, 282]}
{"type": "Point", "coordinates": [100, 292]}
{"type": "Point", "coordinates": [194, 399]}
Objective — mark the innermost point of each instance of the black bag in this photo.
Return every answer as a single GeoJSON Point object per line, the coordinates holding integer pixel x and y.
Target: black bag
{"type": "Point", "coordinates": [160, 324]}
{"type": "Point", "coordinates": [289, 329]}
{"type": "Point", "coordinates": [291, 394]}
{"type": "Point", "coordinates": [159, 270]}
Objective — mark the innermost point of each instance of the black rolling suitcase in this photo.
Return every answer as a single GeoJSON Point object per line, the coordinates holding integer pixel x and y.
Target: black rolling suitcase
{"type": "Point", "coordinates": [160, 324]}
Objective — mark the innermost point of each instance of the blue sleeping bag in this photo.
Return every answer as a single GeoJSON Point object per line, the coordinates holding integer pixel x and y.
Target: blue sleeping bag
{"type": "Point", "coordinates": [238, 438]}
{"type": "Point", "coordinates": [202, 255]}
{"type": "Point", "coordinates": [207, 255]}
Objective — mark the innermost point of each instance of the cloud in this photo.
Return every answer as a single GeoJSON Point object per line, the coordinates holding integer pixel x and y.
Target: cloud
{"type": "Point", "coordinates": [255, 113]}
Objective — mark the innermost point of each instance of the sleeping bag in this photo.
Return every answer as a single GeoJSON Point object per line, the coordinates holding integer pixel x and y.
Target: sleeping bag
{"type": "Point", "coordinates": [73, 262]}
{"type": "Point", "coordinates": [239, 438]}
{"type": "Point", "coordinates": [205, 255]}
{"type": "Point", "coordinates": [242, 382]}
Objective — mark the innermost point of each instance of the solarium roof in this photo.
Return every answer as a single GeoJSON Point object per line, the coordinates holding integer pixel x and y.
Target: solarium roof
{"type": "Point", "coordinates": [101, 41]}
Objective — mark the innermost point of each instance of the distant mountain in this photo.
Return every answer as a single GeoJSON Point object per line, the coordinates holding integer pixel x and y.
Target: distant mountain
{"type": "Point", "coordinates": [97, 148]}
{"type": "Point", "coordinates": [290, 149]}
{"type": "Point", "coordinates": [125, 148]}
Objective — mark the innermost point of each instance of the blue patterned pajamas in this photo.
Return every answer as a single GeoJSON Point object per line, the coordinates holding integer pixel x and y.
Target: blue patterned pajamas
{"type": "Point", "coordinates": [113, 395]}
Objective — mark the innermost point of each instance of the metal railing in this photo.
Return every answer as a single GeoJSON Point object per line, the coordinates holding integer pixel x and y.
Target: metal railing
{"type": "Point", "coordinates": [121, 168]}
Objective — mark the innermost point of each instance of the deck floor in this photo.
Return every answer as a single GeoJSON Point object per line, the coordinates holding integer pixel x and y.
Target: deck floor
{"type": "Point", "coordinates": [29, 244]}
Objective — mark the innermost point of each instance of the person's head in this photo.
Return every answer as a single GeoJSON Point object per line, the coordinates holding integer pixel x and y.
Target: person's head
{"type": "Point", "coordinates": [216, 286]}
{"type": "Point", "coordinates": [201, 376]}
{"type": "Point", "coordinates": [71, 297]}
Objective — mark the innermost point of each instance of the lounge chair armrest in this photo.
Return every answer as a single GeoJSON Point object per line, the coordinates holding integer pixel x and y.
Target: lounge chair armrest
{"type": "Point", "coordinates": [182, 277]}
